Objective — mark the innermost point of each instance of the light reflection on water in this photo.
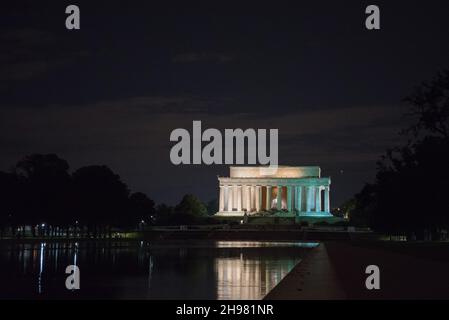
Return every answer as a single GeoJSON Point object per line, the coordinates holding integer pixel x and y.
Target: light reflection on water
{"type": "Point", "coordinates": [143, 270]}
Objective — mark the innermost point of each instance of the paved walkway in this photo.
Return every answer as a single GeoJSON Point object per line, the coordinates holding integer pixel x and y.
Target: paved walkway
{"type": "Point", "coordinates": [314, 278]}
{"type": "Point", "coordinates": [336, 270]}
{"type": "Point", "coordinates": [402, 276]}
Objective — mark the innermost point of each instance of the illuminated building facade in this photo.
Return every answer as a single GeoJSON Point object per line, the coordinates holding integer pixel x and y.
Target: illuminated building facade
{"type": "Point", "coordinates": [296, 191]}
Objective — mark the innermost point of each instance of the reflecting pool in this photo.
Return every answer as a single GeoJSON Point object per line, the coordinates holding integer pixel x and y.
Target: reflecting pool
{"type": "Point", "coordinates": [147, 270]}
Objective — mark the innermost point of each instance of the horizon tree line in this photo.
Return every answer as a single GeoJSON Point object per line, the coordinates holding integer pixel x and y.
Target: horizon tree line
{"type": "Point", "coordinates": [39, 194]}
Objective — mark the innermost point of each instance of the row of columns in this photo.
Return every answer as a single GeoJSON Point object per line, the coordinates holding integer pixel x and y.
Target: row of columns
{"type": "Point", "coordinates": [249, 198]}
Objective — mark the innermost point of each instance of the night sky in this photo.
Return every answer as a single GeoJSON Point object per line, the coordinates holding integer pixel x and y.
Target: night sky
{"type": "Point", "coordinates": [112, 92]}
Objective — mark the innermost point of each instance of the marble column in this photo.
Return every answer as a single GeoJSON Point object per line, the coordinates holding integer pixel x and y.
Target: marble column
{"type": "Point", "coordinates": [299, 197]}
{"type": "Point", "coordinates": [226, 197]}
{"type": "Point", "coordinates": [296, 198]}
{"type": "Point", "coordinates": [235, 196]}
{"type": "Point", "coordinates": [242, 197]}
{"type": "Point", "coordinates": [258, 198]}
{"type": "Point", "coordinates": [268, 198]}
{"type": "Point", "coordinates": [309, 198]}
{"type": "Point", "coordinates": [239, 197]}
{"type": "Point", "coordinates": [279, 198]}
{"type": "Point", "coordinates": [326, 200]}
{"type": "Point", "coordinates": [318, 199]}
{"type": "Point", "coordinates": [253, 198]}
{"type": "Point", "coordinates": [289, 198]}
{"type": "Point", "coordinates": [230, 198]}
{"type": "Point", "coordinates": [221, 205]}
{"type": "Point", "coordinates": [248, 198]}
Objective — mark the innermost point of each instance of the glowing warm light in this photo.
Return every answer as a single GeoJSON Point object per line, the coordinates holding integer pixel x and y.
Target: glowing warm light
{"type": "Point", "coordinates": [281, 172]}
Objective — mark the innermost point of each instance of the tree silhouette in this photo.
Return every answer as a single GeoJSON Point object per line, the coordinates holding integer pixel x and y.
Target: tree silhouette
{"type": "Point", "coordinates": [410, 191]}
{"type": "Point", "coordinates": [101, 197]}
{"type": "Point", "coordinates": [41, 193]}
{"type": "Point", "coordinates": [9, 191]}
{"type": "Point", "coordinates": [190, 210]}
{"type": "Point", "coordinates": [212, 207]}
{"type": "Point", "coordinates": [191, 205]}
{"type": "Point", "coordinates": [141, 208]}
{"type": "Point", "coordinates": [429, 105]}
{"type": "Point", "coordinates": [164, 214]}
{"type": "Point", "coordinates": [45, 190]}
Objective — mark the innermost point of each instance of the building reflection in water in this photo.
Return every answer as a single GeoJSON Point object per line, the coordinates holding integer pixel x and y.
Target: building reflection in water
{"type": "Point", "coordinates": [247, 278]}
{"type": "Point", "coordinates": [250, 276]}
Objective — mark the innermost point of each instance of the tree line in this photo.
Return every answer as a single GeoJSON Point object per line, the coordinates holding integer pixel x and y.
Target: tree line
{"type": "Point", "coordinates": [40, 196]}
{"type": "Point", "coordinates": [410, 193]}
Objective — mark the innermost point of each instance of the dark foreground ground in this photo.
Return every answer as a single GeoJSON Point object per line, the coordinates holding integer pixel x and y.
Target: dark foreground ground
{"type": "Point", "coordinates": [408, 270]}
{"type": "Point", "coordinates": [337, 271]}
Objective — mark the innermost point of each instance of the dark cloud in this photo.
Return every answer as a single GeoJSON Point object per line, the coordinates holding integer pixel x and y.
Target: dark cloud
{"type": "Point", "coordinates": [132, 136]}
{"type": "Point", "coordinates": [26, 54]}
{"type": "Point", "coordinates": [194, 57]}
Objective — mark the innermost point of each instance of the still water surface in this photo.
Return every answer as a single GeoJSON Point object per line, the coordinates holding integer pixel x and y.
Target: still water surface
{"type": "Point", "coordinates": [147, 270]}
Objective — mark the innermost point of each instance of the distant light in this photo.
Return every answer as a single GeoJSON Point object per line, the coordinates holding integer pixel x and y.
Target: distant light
{"type": "Point", "coordinates": [43, 225]}
{"type": "Point", "coordinates": [142, 221]}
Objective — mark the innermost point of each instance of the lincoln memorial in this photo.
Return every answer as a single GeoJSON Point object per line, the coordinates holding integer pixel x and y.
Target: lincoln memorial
{"type": "Point", "coordinates": [292, 191]}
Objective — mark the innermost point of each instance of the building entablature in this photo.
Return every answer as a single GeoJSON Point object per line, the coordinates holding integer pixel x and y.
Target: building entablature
{"type": "Point", "coordinates": [276, 181]}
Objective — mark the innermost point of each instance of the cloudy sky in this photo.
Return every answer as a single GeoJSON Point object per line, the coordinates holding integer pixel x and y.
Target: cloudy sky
{"type": "Point", "coordinates": [112, 92]}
